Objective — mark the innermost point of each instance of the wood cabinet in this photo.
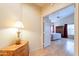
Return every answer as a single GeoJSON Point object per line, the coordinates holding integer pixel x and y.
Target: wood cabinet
{"type": "Point", "coordinates": [16, 50]}
{"type": "Point", "coordinates": [60, 29]}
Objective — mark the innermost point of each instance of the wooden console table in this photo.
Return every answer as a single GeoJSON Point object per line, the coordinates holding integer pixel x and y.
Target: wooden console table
{"type": "Point", "coordinates": [16, 50]}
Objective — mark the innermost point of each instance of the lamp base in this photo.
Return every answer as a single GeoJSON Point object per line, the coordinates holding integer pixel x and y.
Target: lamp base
{"type": "Point", "coordinates": [18, 42]}
{"type": "Point", "coordinates": [18, 39]}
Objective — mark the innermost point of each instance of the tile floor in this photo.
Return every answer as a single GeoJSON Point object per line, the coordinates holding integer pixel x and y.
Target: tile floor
{"type": "Point", "coordinates": [62, 47]}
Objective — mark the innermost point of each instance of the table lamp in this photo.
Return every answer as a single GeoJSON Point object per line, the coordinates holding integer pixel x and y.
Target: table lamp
{"type": "Point", "coordinates": [18, 25]}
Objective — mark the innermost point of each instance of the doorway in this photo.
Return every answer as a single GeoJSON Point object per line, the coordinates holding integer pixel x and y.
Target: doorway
{"type": "Point", "coordinates": [59, 30]}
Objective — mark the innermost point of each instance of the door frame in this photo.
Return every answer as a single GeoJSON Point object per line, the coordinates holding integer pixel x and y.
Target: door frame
{"type": "Point", "coordinates": [76, 23]}
{"type": "Point", "coordinates": [43, 30]}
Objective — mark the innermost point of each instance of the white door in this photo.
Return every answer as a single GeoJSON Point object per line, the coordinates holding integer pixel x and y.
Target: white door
{"type": "Point", "coordinates": [47, 32]}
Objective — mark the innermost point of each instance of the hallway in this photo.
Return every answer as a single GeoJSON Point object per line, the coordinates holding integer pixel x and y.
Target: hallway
{"type": "Point", "coordinates": [63, 47]}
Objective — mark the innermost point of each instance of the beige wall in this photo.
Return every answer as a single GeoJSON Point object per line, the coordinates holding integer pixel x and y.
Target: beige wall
{"type": "Point", "coordinates": [9, 13]}
{"type": "Point", "coordinates": [29, 15]}
{"type": "Point", "coordinates": [31, 21]}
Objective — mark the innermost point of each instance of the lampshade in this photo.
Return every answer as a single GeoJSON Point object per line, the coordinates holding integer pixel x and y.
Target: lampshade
{"type": "Point", "coordinates": [18, 24]}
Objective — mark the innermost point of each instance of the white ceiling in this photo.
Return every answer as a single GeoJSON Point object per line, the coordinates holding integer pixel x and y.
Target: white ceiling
{"type": "Point", "coordinates": [61, 14]}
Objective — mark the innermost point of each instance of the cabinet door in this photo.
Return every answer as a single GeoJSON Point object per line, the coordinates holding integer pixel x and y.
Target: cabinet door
{"type": "Point", "coordinates": [22, 51]}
